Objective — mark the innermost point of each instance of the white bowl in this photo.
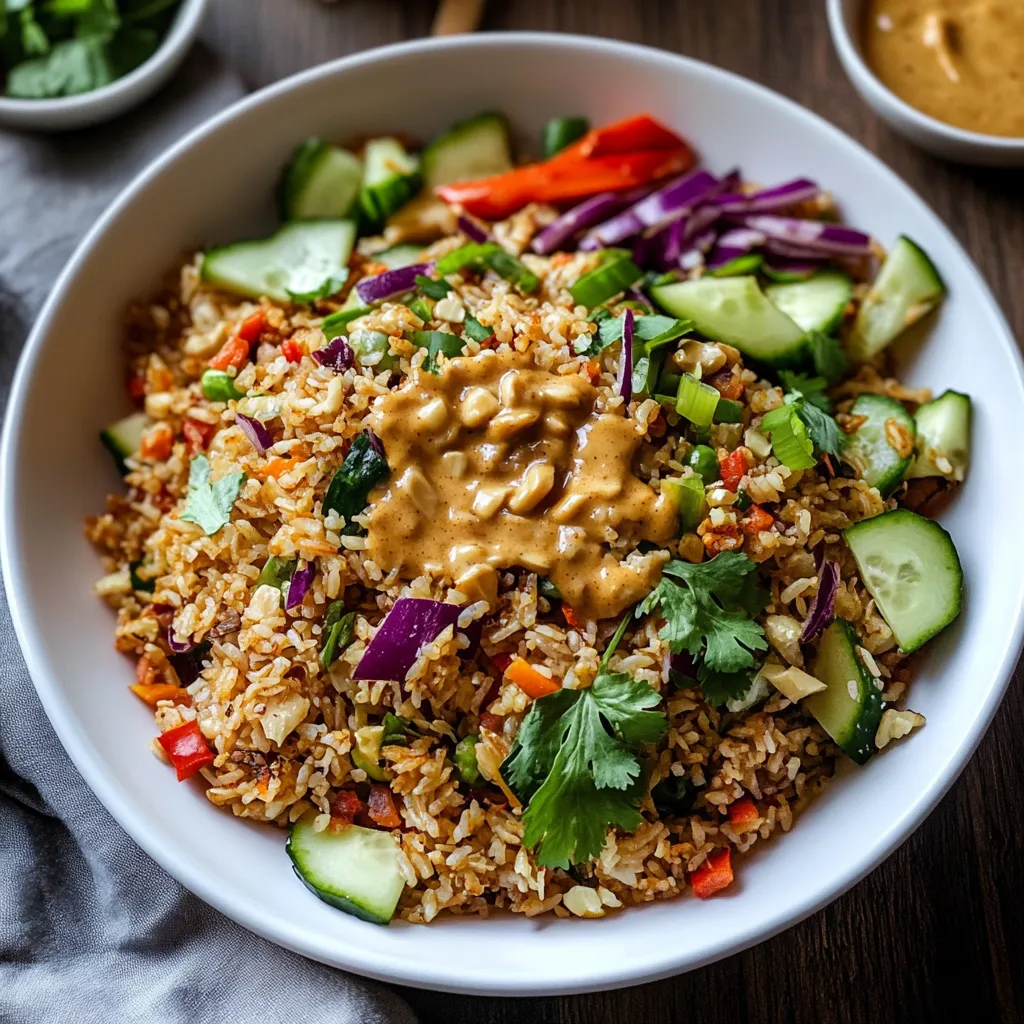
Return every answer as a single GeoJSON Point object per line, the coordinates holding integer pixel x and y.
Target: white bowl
{"type": "Point", "coordinates": [54, 472]}
{"type": "Point", "coordinates": [845, 19]}
{"type": "Point", "coordinates": [89, 108]}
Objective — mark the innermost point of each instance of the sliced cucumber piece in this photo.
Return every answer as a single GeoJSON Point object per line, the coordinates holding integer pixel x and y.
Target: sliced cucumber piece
{"type": "Point", "coordinates": [907, 287]}
{"type": "Point", "coordinates": [910, 567]}
{"type": "Point", "coordinates": [297, 259]}
{"type": "Point", "coordinates": [124, 438]}
{"type": "Point", "coordinates": [354, 869]}
{"type": "Point", "coordinates": [850, 707]}
{"type": "Point", "coordinates": [688, 494]}
{"type": "Point", "coordinates": [870, 449]}
{"type": "Point", "coordinates": [391, 177]}
{"type": "Point", "coordinates": [373, 349]}
{"type": "Point", "coordinates": [477, 148]}
{"type": "Point", "coordinates": [399, 256]}
{"type": "Point", "coordinates": [321, 181]}
{"type": "Point", "coordinates": [817, 304]}
{"type": "Point", "coordinates": [736, 311]}
{"type": "Point", "coordinates": [943, 437]}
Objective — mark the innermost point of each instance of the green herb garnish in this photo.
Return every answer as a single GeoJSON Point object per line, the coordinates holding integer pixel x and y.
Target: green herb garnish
{"type": "Point", "coordinates": [277, 572]}
{"type": "Point", "coordinates": [802, 425]}
{"type": "Point", "coordinates": [431, 288]}
{"type": "Point", "coordinates": [435, 342]}
{"type": "Point", "coordinates": [209, 504]}
{"type": "Point", "coordinates": [476, 330]}
{"type": "Point", "coordinates": [338, 632]}
{"type": "Point", "coordinates": [349, 491]}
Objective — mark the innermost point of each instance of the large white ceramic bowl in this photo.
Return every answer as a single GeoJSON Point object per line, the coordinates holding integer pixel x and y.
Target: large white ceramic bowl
{"type": "Point", "coordinates": [215, 185]}
{"type": "Point", "coordinates": [89, 108]}
{"type": "Point", "coordinates": [845, 22]}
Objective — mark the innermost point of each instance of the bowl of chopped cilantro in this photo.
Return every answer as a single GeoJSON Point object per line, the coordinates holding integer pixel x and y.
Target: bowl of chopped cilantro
{"type": "Point", "coordinates": [68, 64]}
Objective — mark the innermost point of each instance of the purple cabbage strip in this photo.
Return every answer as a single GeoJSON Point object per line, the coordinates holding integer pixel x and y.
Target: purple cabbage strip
{"type": "Point", "coordinates": [798, 190]}
{"type": "Point", "coordinates": [700, 221]}
{"type": "Point", "coordinates": [732, 245]}
{"type": "Point", "coordinates": [391, 282]}
{"type": "Point", "coordinates": [826, 239]}
{"type": "Point", "coordinates": [301, 581]}
{"type": "Point", "coordinates": [793, 252]}
{"type": "Point", "coordinates": [694, 256]}
{"type": "Point", "coordinates": [257, 434]}
{"type": "Point", "coordinates": [823, 607]}
{"type": "Point", "coordinates": [580, 217]}
{"type": "Point", "coordinates": [624, 383]}
{"type": "Point", "coordinates": [189, 665]}
{"type": "Point", "coordinates": [472, 229]}
{"type": "Point", "coordinates": [412, 623]}
{"type": "Point", "coordinates": [375, 442]}
{"type": "Point", "coordinates": [336, 355]}
{"type": "Point", "coordinates": [177, 646]}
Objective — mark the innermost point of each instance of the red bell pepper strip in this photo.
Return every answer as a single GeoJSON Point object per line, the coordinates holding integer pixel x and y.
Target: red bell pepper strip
{"type": "Point", "coordinates": [626, 136]}
{"type": "Point", "coordinates": [756, 521]}
{"type": "Point", "coordinates": [733, 468]}
{"type": "Point", "coordinates": [713, 875]}
{"type": "Point", "coordinates": [187, 748]}
{"type": "Point", "coordinates": [235, 351]}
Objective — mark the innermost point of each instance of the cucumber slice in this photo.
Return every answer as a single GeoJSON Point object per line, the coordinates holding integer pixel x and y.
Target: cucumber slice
{"type": "Point", "coordinates": [943, 437]}
{"type": "Point", "coordinates": [907, 287]}
{"type": "Point", "coordinates": [477, 148]}
{"type": "Point", "coordinates": [391, 177]}
{"type": "Point", "coordinates": [910, 567]}
{"type": "Point", "coordinates": [735, 310]}
{"type": "Point", "coordinates": [354, 869]}
{"type": "Point", "coordinates": [124, 438]}
{"type": "Point", "coordinates": [869, 450]}
{"type": "Point", "coordinates": [399, 256]}
{"type": "Point", "coordinates": [817, 304]}
{"type": "Point", "coordinates": [321, 181]}
{"type": "Point", "coordinates": [297, 259]}
{"type": "Point", "coordinates": [688, 494]}
{"type": "Point", "coordinates": [850, 707]}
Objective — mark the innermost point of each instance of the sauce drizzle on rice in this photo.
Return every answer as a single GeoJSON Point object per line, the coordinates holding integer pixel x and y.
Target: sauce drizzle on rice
{"type": "Point", "coordinates": [494, 464]}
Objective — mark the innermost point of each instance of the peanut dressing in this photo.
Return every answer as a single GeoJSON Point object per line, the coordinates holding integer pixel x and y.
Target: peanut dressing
{"type": "Point", "coordinates": [496, 463]}
{"type": "Point", "coordinates": [961, 61]}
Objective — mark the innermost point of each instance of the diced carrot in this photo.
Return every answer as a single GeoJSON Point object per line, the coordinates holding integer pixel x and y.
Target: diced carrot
{"type": "Point", "coordinates": [234, 352]}
{"type": "Point", "coordinates": [733, 468]}
{"type": "Point", "coordinates": [593, 369]}
{"type": "Point", "coordinates": [151, 693]}
{"type": "Point", "coordinates": [252, 327]}
{"type": "Point", "coordinates": [744, 814]}
{"type": "Point", "coordinates": [157, 441]}
{"type": "Point", "coordinates": [756, 521]}
{"type": "Point", "coordinates": [198, 434]}
{"type": "Point", "coordinates": [345, 807]}
{"type": "Point", "coordinates": [533, 683]}
{"type": "Point", "coordinates": [713, 875]}
{"type": "Point", "coordinates": [381, 806]}
{"type": "Point", "coordinates": [570, 616]}
{"type": "Point", "coordinates": [292, 350]}
{"type": "Point", "coordinates": [275, 467]}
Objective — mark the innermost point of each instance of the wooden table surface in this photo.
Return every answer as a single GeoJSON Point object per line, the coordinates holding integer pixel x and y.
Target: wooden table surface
{"type": "Point", "coordinates": [938, 926]}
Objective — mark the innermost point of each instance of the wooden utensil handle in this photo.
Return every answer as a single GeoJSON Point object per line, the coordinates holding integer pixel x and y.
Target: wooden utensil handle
{"type": "Point", "coordinates": [457, 16]}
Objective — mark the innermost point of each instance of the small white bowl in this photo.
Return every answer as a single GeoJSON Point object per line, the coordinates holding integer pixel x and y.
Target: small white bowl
{"type": "Point", "coordinates": [844, 22]}
{"type": "Point", "coordinates": [89, 108]}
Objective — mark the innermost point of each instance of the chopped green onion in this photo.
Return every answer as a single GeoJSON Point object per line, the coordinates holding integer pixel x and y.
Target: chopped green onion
{"type": "Point", "coordinates": [560, 132]}
{"type": "Point", "coordinates": [457, 259]}
{"type": "Point", "coordinates": [512, 270]}
{"type": "Point", "coordinates": [728, 411]}
{"type": "Point", "coordinates": [421, 308]}
{"type": "Point", "coordinates": [605, 281]}
{"type": "Point", "coordinates": [219, 386]}
{"type": "Point", "coordinates": [743, 501]}
{"type": "Point", "coordinates": [431, 288]}
{"type": "Point", "coordinates": [688, 494]}
{"type": "Point", "coordinates": [548, 589]}
{"type": "Point", "coordinates": [367, 343]}
{"type": "Point", "coordinates": [791, 443]}
{"type": "Point", "coordinates": [337, 323]}
{"type": "Point", "coordinates": [338, 631]}
{"type": "Point", "coordinates": [696, 402]}
{"type": "Point", "coordinates": [646, 371]}
{"type": "Point", "coordinates": [435, 342]}
{"type": "Point", "coordinates": [476, 330]}
{"type": "Point", "coordinates": [277, 572]}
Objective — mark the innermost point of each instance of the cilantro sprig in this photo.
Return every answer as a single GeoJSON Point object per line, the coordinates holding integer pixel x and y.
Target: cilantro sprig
{"type": "Point", "coordinates": [709, 612]}
{"type": "Point", "coordinates": [802, 427]}
{"type": "Point", "coordinates": [575, 765]}
{"type": "Point", "coordinates": [209, 503]}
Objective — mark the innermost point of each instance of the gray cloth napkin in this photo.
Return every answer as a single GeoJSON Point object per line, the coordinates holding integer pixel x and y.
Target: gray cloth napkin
{"type": "Point", "coordinates": [91, 930]}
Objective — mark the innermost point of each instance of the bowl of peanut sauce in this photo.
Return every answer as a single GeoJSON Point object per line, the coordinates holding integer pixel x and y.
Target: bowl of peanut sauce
{"type": "Point", "coordinates": [946, 74]}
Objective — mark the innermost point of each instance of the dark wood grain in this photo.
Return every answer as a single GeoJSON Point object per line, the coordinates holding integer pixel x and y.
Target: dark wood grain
{"type": "Point", "coordinates": [935, 933]}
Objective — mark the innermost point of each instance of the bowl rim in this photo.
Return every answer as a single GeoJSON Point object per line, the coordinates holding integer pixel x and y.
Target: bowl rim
{"type": "Point", "coordinates": [178, 38]}
{"type": "Point", "coordinates": [299, 939]}
{"type": "Point", "coordinates": [881, 96]}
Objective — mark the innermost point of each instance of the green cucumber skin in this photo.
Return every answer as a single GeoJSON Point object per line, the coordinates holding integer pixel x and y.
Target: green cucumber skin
{"type": "Point", "coordinates": [340, 902]}
{"type": "Point", "coordinates": [300, 172]}
{"type": "Point", "coordinates": [436, 166]}
{"type": "Point", "coordinates": [867, 450]}
{"type": "Point", "coordinates": [943, 429]}
{"type": "Point", "coordinates": [944, 572]}
{"type": "Point", "coordinates": [829, 290]}
{"type": "Point", "coordinates": [857, 737]}
{"type": "Point", "coordinates": [122, 438]}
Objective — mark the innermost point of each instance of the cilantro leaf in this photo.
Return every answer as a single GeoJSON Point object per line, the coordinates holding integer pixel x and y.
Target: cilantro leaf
{"type": "Point", "coordinates": [653, 330]}
{"type": "Point", "coordinates": [431, 288]}
{"type": "Point", "coordinates": [711, 618]}
{"type": "Point", "coordinates": [472, 328]}
{"type": "Point", "coordinates": [396, 730]}
{"type": "Point", "coordinates": [824, 430]}
{"type": "Point", "coordinates": [349, 490]}
{"type": "Point", "coordinates": [435, 342]}
{"type": "Point", "coordinates": [574, 762]}
{"type": "Point", "coordinates": [338, 632]}
{"type": "Point", "coordinates": [721, 687]}
{"type": "Point", "coordinates": [828, 355]}
{"type": "Point", "coordinates": [208, 504]}
{"type": "Point", "coordinates": [813, 389]}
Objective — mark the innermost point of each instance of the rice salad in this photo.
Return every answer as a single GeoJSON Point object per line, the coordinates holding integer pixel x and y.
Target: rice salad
{"type": "Point", "coordinates": [535, 536]}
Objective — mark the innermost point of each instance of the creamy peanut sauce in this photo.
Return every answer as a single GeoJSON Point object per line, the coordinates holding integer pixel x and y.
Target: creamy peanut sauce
{"type": "Point", "coordinates": [960, 61]}
{"type": "Point", "coordinates": [495, 463]}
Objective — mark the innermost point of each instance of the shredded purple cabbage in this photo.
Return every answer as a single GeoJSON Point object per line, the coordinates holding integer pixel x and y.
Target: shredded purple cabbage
{"type": "Point", "coordinates": [301, 581]}
{"type": "Point", "coordinates": [336, 355]}
{"type": "Point", "coordinates": [823, 607]}
{"type": "Point", "coordinates": [412, 623]}
{"type": "Point", "coordinates": [391, 283]}
{"type": "Point", "coordinates": [257, 434]}
{"type": "Point", "coordinates": [624, 383]}
{"type": "Point", "coordinates": [472, 229]}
